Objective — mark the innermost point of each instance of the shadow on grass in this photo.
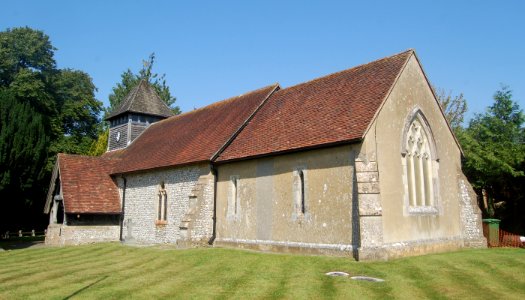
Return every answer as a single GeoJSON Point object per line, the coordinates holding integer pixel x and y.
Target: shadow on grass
{"type": "Point", "coordinates": [85, 288]}
{"type": "Point", "coordinates": [22, 243]}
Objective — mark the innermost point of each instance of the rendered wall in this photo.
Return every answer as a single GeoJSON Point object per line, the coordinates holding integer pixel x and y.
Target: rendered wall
{"type": "Point", "coordinates": [266, 218]}
{"type": "Point", "coordinates": [405, 233]}
{"type": "Point", "coordinates": [140, 199]}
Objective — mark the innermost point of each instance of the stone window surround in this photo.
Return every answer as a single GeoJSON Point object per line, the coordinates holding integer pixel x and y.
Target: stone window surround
{"type": "Point", "coordinates": [234, 201]}
{"type": "Point", "coordinates": [300, 193]}
{"type": "Point", "coordinates": [162, 205]}
{"type": "Point", "coordinates": [419, 206]}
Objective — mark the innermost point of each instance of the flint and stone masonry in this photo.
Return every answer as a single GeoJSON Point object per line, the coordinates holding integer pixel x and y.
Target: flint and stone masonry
{"type": "Point", "coordinates": [64, 235]}
{"type": "Point", "coordinates": [189, 206]}
{"type": "Point", "coordinates": [470, 215]}
{"type": "Point", "coordinates": [293, 180]}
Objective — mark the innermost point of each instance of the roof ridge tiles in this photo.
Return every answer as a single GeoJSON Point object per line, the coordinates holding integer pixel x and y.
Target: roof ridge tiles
{"type": "Point", "coordinates": [213, 105]}
{"type": "Point", "coordinates": [135, 91]}
{"type": "Point", "coordinates": [332, 109]}
{"type": "Point", "coordinates": [223, 101]}
{"type": "Point", "coordinates": [349, 69]}
{"type": "Point", "coordinates": [163, 102]}
{"type": "Point", "coordinates": [192, 137]}
{"type": "Point", "coordinates": [276, 87]}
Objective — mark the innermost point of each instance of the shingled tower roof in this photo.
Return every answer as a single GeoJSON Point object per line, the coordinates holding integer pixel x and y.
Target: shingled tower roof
{"type": "Point", "coordinates": [143, 100]}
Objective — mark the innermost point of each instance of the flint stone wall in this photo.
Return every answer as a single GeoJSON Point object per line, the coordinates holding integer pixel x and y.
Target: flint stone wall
{"type": "Point", "coordinates": [63, 235]}
{"type": "Point", "coordinates": [470, 215]}
{"type": "Point", "coordinates": [141, 200]}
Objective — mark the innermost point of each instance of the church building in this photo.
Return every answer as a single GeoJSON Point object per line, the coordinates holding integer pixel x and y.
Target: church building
{"type": "Point", "coordinates": [360, 163]}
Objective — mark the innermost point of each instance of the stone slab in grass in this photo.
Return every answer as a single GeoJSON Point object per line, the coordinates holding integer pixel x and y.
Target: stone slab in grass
{"type": "Point", "coordinates": [366, 278]}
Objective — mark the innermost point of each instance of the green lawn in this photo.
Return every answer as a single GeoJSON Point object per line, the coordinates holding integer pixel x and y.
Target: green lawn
{"type": "Point", "coordinates": [109, 271]}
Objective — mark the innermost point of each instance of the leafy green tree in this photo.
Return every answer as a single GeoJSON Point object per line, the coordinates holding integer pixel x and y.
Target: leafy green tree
{"type": "Point", "coordinates": [494, 162]}
{"type": "Point", "coordinates": [129, 80]}
{"type": "Point", "coordinates": [78, 112]}
{"type": "Point", "coordinates": [44, 110]}
{"type": "Point", "coordinates": [24, 48]}
{"type": "Point", "coordinates": [100, 146]}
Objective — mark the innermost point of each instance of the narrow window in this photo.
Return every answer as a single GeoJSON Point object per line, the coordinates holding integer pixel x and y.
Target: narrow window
{"type": "Point", "coordinates": [418, 185]}
{"type": "Point", "coordinates": [428, 181]}
{"type": "Point", "coordinates": [301, 179]}
{"type": "Point", "coordinates": [234, 197]}
{"type": "Point", "coordinates": [299, 192]}
{"type": "Point", "coordinates": [162, 205]}
{"type": "Point", "coordinates": [410, 179]}
{"type": "Point", "coordinates": [235, 194]}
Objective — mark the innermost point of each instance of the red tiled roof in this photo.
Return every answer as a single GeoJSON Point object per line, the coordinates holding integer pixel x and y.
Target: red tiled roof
{"type": "Point", "coordinates": [86, 184]}
{"type": "Point", "coordinates": [328, 110]}
{"type": "Point", "coordinates": [192, 137]}
{"type": "Point", "coordinates": [113, 154]}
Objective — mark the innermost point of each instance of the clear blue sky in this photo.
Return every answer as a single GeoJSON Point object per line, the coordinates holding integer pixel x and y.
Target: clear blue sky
{"type": "Point", "coordinates": [212, 50]}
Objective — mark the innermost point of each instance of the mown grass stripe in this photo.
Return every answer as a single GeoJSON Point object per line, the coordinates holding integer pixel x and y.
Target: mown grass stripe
{"type": "Point", "coordinates": [14, 257]}
{"type": "Point", "coordinates": [197, 275]}
{"type": "Point", "coordinates": [463, 274]}
{"type": "Point", "coordinates": [149, 274]}
{"type": "Point", "coordinates": [119, 277]}
{"type": "Point", "coordinates": [506, 279]}
{"type": "Point", "coordinates": [109, 271]}
{"type": "Point", "coordinates": [65, 271]}
{"type": "Point", "coordinates": [57, 269]}
{"type": "Point", "coordinates": [68, 253]}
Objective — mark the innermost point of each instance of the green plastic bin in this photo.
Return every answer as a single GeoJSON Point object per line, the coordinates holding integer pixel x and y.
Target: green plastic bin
{"type": "Point", "coordinates": [491, 231]}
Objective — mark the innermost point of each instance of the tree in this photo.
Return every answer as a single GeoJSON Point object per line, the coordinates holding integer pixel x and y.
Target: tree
{"type": "Point", "coordinates": [100, 146]}
{"type": "Point", "coordinates": [27, 121]}
{"type": "Point", "coordinates": [454, 107]}
{"type": "Point", "coordinates": [24, 142]}
{"type": "Point", "coordinates": [495, 159]}
{"type": "Point", "coordinates": [129, 80]}
{"type": "Point", "coordinates": [78, 112]}
{"type": "Point", "coordinates": [44, 110]}
{"type": "Point", "coordinates": [24, 48]}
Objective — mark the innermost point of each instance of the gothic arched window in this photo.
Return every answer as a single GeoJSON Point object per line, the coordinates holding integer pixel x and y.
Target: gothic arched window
{"type": "Point", "coordinates": [420, 165]}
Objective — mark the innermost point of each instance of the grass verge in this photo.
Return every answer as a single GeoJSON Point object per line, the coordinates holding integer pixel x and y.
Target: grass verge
{"type": "Point", "coordinates": [110, 271]}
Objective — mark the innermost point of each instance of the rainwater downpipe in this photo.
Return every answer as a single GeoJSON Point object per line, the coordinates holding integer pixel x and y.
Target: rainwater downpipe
{"type": "Point", "coordinates": [123, 208]}
{"type": "Point", "coordinates": [215, 173]}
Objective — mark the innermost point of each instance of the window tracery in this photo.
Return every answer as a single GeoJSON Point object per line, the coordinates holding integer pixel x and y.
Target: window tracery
{"type": "Point", "coordinates": [419, 165]}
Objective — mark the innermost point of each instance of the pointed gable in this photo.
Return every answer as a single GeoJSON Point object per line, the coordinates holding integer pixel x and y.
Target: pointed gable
{"type": "Point", "coordinates": [337, 108]}
{"type": "Point", "coordinates": [192, 137]}
{"type": "Point", "coordinates": [142, 99]}
{"type": "Point", "coordinates": [86, 186]}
